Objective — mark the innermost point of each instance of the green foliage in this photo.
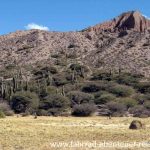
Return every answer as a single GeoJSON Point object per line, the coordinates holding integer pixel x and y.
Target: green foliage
{"type": "Point", "coordinates": [60, 80]}
{"type": "Point", "coordinates": [83, 110]}
{"type": "Point", "coordinates": [55, 103]}
{"type": "Point", "coordinates": [129, 102]}
{"type": "Point", "coordinates": [94, 87]}
{"type": "Point", "coordinates": [78, 97]}
{"type": "Point", "coordinates": [2, 115]}
{"type": "Point", "coordinates": [147, 105]}
{"type": "Point", "coordinates": [24, 101]}
{"type": "Point", "coordinates": [121, 90]}
{"type": "Point", "coordinates": [116, 109]}
{"type": "Point", "coordinates": [128, 79]}
{"type": "Point", "coordinates": [102, 76]}
{"type": "Point", "coordinates": [104, 98]}
{"type": "Point", "coordinates": [143, 87]}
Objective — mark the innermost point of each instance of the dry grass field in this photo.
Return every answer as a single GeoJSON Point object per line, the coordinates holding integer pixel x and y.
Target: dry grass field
{"type": "Point", "coordinates": [27, 133]}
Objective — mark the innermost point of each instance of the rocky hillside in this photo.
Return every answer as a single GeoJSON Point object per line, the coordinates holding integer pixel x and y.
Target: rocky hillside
{"type": "Point", "coordinates": [122, 44]}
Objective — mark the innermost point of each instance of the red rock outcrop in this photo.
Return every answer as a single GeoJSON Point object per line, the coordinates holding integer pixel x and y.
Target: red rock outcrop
{"type": "Point", "coordinates": [126, 21]}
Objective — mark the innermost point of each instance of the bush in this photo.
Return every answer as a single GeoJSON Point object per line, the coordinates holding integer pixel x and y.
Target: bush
{"type": "Point", "coordinates": [141, 98]}
{"type": "Point", "coordinates": [139, 110]}
{"type": "Point", "coordinates": [60, 80]}
{"type": "Point", "coordinates": [42, 112]}
{"type": "Point", "coordinates": [78, 97]}
{"type": "Point", "coordinates": [102, 76]}
{"type": "Point", "coordinates": [83, 110]}
{"type": "Point", "coordinates": [94, 87]}
{"type": "Point", "coordinates": [24, 101]}
{"type": "Point", "coordinates": [2, 115]}
{"type": "Point", "coordinates": [116, 109]}
{"type": "Point", "coordinates": [55, 104]}
{"type": "Point", "coordinates": [5, 108]}
{"type": "Point", "coordinates": [128, 102]}
{"type": "Point", "coordinates": [121, 90]}
{"type": "Point", "coordinates": [104, 98]}
{"type": "Point", "coordinates": [79, 67]}
{"type": "Point", "coordinates": [128, 79]}
{"type": "Point", "coordinates": [143, 87]}
{"type": "Point", "coordinates": [147, 105]}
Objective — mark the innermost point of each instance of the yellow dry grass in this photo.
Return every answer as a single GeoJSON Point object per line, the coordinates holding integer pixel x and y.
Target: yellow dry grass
{"type": "Point", "coordinates": [27, 133]}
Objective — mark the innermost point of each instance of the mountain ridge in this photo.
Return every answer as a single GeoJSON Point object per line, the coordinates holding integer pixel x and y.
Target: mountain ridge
{"type": "Point", "coordinates": [122, 43]}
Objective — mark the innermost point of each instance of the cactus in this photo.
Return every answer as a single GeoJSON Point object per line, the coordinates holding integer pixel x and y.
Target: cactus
{"type": "Point", "coordinates": [14, 84]}
{"type": "Point", "coordinates": [63, 90]}
{"type": "Point", "coordinates": [82, 72]}
{"type": "Point", "coordinates": [26, 86]}
{"type": "Point", "coordinates": [2, 86]}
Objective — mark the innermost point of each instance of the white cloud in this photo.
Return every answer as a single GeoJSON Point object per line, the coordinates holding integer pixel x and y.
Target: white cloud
{"type": "Point", "coordinates": [36, 26]}
{"type": "Point", "coordinates": [146, 17]}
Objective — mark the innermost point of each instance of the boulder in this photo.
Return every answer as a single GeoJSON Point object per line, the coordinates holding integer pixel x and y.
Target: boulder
{"type": "Point", "coordinates": [136, 124]}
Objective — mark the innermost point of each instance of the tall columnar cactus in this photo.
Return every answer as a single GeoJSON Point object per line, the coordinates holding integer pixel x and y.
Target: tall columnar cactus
{"type": "Point", "coordinates": [63, 90]}
{"type": "Point", "coordinates": [27, 86]}
{"type": "Point", "coordinates": [82, 72]}
{"type": "Point", "coordinates": [73, 77]}
{"type": "Point", "coordinates": [2, 87]}
{"type": "Point", "coordinates": [14, 84]}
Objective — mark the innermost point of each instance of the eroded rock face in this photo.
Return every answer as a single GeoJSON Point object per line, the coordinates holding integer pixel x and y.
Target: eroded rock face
{"type": "Point", "coordinates": [132, 20]}
{"type": "Point", "coordinates": [126, 21]}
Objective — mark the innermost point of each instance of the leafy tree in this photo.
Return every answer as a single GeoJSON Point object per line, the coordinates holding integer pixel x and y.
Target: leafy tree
{"type": "Point", "coordinates": [129, 102]}
{"type": "Point", "coordinates": [78, 97]}
{"type": "Point", "coordinates": [83, 110]}
{"type": "Point", "coordinates": [104, 98]}
{"type": "Point", "coordinates": [24, 101]}
{"type": "Point", "coordinates": [121, 90]}
{"type": "Point", "coordinates": [55, 103]}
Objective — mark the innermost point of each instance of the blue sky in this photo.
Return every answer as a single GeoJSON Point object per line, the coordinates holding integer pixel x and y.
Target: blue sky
{"type": "Point", "coordinates": [63, 15]}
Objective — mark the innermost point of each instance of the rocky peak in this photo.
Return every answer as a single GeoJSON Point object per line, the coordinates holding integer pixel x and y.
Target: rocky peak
{"type": "Point", "coordinates": [126, 21]}
{"type": "Point", "coordinates": [132, 20]}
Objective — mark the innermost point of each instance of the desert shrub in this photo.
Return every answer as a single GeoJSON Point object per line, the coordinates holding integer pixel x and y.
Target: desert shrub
{"type": "Point", "coordinates": [5, 108]}
{"type": "Point", "coordinates": [116, 109]}
{"type": "Point", "coordinates": [78, 97]}
{"type": "Point", "coordinates": [83, 110]}
{"type": "Point", "coordinates": [79, 67]}
{"type": "Point", "coordinates": [24, 101]}
{"type": "Point", "coordinates": [147, 105]}
{"type": "Point", "coordinates": [90, 88]}
{"type": "Point", "coordinates": [45, 71]}
{"type": "Point", "coordinates": [141, 98]}
{"type": "Point", "coordinates": [2, 115]}
{"type": "Point", "coordinates": [51, 69]}
{"type": "Point", "coordinates": [121, 90]}
{"type": "Point", "coordinates": [80, 70]}
{"type": "Point", "coordinates": [128, 79]}
{"type": "Point", "coordinates": [104, 98]}
{"type": "Point", "coordinates": [25, 114]}
{"type": "Point", "coordinates": [60, 80]}
{"type": "Point", "coordinates": [102, 76]}
{"type": "Point", "coordinates": [129, 102]}
{"type": "Point", "coordinates": [55, 103]}
{"type": "Point", "coordinates": [143, 87]}
{"type": "Point", "coordinates": [139, 110]}
{"type": "Point", "coordinates": [94, 87]}
{"type": "Point", "coordinates": [42, 112]}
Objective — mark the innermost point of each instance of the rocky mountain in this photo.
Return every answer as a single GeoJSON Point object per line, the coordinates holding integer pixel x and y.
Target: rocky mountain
{"type": "Point", "coordinates": [122, 44]}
